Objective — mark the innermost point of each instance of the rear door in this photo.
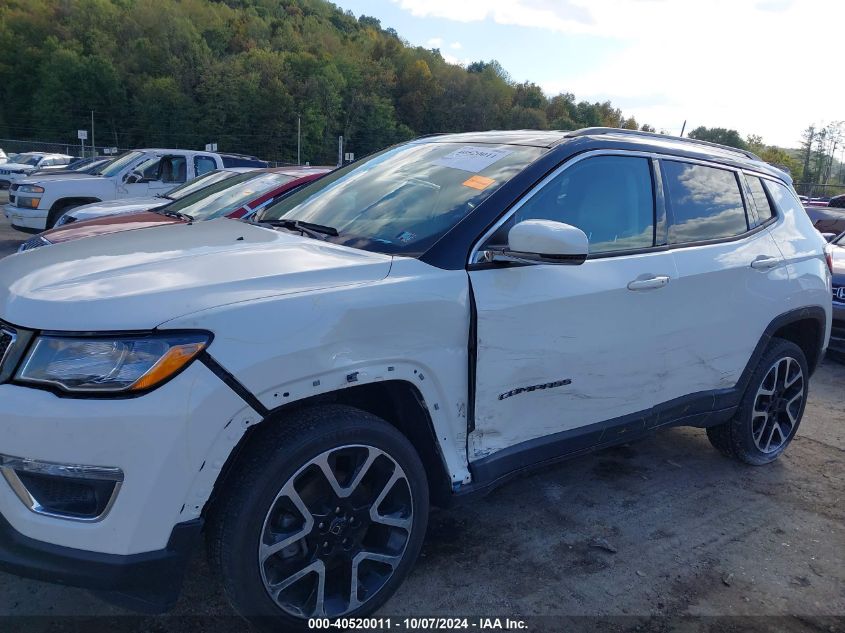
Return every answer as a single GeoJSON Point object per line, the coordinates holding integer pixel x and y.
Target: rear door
{"type": "Point", "coordinates": [563, 349]}
{"type": "Point", "coordinates": [729, 271]}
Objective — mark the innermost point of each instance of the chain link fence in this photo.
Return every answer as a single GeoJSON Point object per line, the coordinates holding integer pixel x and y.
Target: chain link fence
{"type": "Point", "coordinates": [18, 146]}
{"type": "Point", "coordinates": [822, 192]}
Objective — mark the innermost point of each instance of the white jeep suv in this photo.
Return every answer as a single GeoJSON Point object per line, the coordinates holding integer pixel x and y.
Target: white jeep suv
{"type": "Point", "coordinates": [410, 329]}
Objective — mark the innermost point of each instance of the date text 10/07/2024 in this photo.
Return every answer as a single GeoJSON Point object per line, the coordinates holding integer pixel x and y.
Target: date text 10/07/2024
{"type": "Point", "coordinates": [416, 624]}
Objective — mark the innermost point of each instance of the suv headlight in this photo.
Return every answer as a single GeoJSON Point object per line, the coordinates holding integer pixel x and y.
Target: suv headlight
{"type": "Point", "coordinates": [30, 189]}
{"type": "Point", "coordinates": [109, 365]}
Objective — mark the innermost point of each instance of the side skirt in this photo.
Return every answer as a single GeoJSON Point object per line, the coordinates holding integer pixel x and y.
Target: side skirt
{"type": "Point", "coordinates": [695, 410]}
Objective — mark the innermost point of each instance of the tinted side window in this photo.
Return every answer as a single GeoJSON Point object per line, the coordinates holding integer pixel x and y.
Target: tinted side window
{"type": "Point", "coordinates": [203, 164]}
{"type": "Point", "coordinates": [173, 169]}
{"type": "Point", "coordinates": [761, 200]}
{"type": "Point", "coordinates": [610, 198]}
{"type": "Point", "coordinates": [705, 202]}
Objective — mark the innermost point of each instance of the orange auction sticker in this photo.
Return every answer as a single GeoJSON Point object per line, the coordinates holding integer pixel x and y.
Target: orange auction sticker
{"type": "Point", "coordinates": [478, 182]}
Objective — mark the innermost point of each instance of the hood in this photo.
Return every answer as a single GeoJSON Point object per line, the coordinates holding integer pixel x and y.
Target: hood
{"type": "Point", "coordinates": [108, 224]}
{"type": "Point", "coordinates": [116, 207]}
{"type": "Point", "coordinates": [54, 177]}
{"type": "Point", "coordinates": [136, 280]}
{"type": "Point", "coordinates": [17, 167]}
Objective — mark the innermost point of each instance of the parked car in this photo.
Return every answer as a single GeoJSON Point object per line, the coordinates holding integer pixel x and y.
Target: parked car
{"type": "Point", "coordinates": [84, 165]}
{"type": "Point", "coordinates": [837, 334]}
{"type": "Point", "coordinates": [243, 160]}
{"type": "Point", "coordinates": [837, 202]}
{"type": "Point", "coordinates": [29, 162]}
{"type": "Point", "coordinates": [37, 203]}
{"type": "Point", "coordinates": [237, 196]}
{"type": "Point", "coordinates": [410, 329]}
{"type": "Point", "coordinates": [98, 210]}
{"type": "Point", "coordinates": [826, 219]}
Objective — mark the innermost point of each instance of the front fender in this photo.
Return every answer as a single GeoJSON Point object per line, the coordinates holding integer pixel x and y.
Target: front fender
{"type": "Point", "coordinates": [411, 326]}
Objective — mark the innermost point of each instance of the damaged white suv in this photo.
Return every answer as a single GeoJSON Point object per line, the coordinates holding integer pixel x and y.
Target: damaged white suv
{"type": "Point", "coordinates": [408, 330]}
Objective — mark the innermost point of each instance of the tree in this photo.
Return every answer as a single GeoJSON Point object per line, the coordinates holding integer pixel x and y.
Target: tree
{"type": "Point", "coordinates": [807, 138]}
{"type": "Point", "coordinates": [720, 135]}
{"type": "Point", "coordinates": [244, 72]}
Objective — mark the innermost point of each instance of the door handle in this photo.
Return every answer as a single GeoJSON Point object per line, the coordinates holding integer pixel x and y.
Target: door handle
{"type": "Point", "coordinates": [651, 283]}
{"type": "Point", "coordinates": [765, 263]}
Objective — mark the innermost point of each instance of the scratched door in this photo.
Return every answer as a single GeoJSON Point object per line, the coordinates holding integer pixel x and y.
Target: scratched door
{"type": "Point", "coordinates": [561, 347]}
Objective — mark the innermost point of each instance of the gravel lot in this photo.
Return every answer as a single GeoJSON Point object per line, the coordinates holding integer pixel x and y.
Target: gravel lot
{"type": "Point", "coordinates": [692, 534]}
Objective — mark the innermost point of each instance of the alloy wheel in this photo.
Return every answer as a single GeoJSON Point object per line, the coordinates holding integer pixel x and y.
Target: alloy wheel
{"type": "Point", "coordinates": [777, 405]}
{"type": "Point", "coordinates": [336, 532]}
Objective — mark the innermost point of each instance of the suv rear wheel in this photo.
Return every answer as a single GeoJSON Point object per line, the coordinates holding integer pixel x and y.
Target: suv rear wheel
{"type": "Point", "coordinates": [771, 409]}
{"type": "Point", "coordinates": [324, 518]}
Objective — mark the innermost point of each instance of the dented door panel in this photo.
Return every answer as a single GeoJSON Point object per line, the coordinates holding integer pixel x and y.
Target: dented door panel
{"type": "Point", "coordinates": [563, 347]}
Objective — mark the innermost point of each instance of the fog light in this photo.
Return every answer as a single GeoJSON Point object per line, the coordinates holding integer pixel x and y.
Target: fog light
{"type": "Point", "coordinates": [66, 491]}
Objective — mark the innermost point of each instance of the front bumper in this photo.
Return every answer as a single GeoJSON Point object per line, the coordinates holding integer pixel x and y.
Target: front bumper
{"type": "Point", "coordinates": [160, 442]}
{"type": "Point", "coordinates": [148, 582]}
{"type": "Point", "coordinates": [26, 219]}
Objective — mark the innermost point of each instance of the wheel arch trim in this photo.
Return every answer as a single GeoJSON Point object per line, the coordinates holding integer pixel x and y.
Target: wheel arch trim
{"type": "Point", "coordinates": [231, 438]}
{"type": "Point", "coordinates": [732, 396]}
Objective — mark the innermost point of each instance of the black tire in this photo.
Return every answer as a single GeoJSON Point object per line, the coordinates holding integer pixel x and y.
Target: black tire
{"type": "Point", "coordinates": [282, 452]}
{"type": "Point", "coordinates": [758, 412]}
{"type": "Point", "coordinates": [57, 212]}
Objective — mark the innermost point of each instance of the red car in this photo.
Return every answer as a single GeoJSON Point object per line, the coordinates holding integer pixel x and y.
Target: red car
{"type": "Point", "coordinates": [235, 197]}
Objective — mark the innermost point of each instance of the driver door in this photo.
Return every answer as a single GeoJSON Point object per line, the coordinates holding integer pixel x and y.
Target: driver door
{"type": "Point", "coordinates": [569, 356]}
{"type": "Point", "coordinates": [156, 175]}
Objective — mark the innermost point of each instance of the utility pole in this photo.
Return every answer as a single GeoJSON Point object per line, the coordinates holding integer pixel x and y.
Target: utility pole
{"type": "Point", "coordinates": [298, 139]}
{"type": "Point", "coordinates": [93, 146]}
{"type": "Point", "coordinates": [340, 151]}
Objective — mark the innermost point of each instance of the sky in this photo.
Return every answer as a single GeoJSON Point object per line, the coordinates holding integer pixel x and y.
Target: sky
{"type": "Point", "coordinates": [766, 67]}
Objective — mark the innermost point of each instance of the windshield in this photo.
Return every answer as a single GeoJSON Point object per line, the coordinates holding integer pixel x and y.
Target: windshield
{"type": "Point", "coordinates": [404, 199]}
{"type": "Point", "coordinates": [224, 197]}
{"type": "Point", "coordinates": [208, 178]}
{"type": "Point", "coordinates": [29, 160]}
{"type": "Point", "coordinates": [95, 167]}
{"type": "Point", "coordinates": [114, 168]}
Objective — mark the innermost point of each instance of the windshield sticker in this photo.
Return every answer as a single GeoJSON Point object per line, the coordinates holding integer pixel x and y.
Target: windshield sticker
{"type": "Point", "coordinates": [472, 159]}
{"type": "Point", "coordinates": [478, 182]}
{"type": "Point", "coordinates": [406, 236]}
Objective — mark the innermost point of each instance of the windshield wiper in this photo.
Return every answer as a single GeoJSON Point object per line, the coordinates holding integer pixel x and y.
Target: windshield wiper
{"type": "Point", "coordinates": [175, 214]}
{"type": "Point", "coordinates": [317, 231]}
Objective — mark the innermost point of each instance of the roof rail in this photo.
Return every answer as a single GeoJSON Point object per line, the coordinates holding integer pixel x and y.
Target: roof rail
{"type": "Point", "coordinates": [595, 131]}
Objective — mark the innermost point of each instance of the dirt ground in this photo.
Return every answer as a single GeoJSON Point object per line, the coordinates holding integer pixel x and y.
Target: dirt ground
{"type": "Point", "coordinates": [634, 538]}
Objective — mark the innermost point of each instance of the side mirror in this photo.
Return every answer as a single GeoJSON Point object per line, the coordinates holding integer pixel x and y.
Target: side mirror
{"type": "Point", "coordinates": [547, 242]}
{"type": "Point", "coordinates": [136, 177]}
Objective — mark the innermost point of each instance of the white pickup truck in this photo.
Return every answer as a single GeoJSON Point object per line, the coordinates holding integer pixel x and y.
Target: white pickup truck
{"type": "Point", "coordinates": [35, 204]}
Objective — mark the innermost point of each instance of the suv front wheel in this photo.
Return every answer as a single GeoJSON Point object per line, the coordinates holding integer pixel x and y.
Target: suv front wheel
{"type": "Point", "coordinates": [771, 409]}
{"type": "Point", "coordinates": [324, 518]}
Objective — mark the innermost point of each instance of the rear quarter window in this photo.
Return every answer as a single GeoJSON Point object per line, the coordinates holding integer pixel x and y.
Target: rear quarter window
{"type": "Point", "coordinates": [765, 211]}
{"type": "Point", "coordinates": [705, 203]}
